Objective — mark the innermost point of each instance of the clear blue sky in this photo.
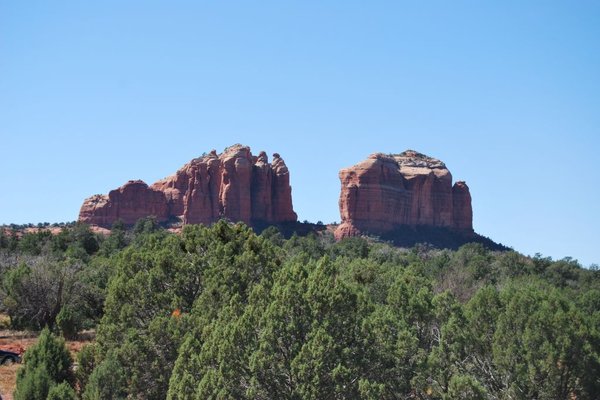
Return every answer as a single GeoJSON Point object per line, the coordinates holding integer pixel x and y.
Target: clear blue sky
{"type": "Point", "coordinates": [507, 93]}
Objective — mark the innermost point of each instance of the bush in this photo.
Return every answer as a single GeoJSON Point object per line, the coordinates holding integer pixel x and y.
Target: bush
{"type": "Point", "coordinates": [4, 321]}
{"type": "Point", "coordinates": [62, 392]}
{"type": "Point", "coordinates": [68, 322]}
{"type": "Point", "coordinates": [34, 293]}
{"type": "Point", "coordinates": [33, 385]}
{"type": "Point", "coordinates": [107, 382]}
{"type": "Point", "coordinates": [464, 387]}
{"type": "Point", "coordinates": [45, 364]}
{"type": "Point", "coordinates": [86, 360]}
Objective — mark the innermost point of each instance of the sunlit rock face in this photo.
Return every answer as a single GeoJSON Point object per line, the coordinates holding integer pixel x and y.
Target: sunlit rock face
{"type": "Point", "coordinates": [234, 184]}
{"type": "Point", "coordinates": [386, 191]}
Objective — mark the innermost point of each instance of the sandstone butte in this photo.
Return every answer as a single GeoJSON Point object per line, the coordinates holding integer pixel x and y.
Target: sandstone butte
{"type": "Point", "coordinates": [388, 191]}
{"type": "Point", "coordinates": [234, 184]}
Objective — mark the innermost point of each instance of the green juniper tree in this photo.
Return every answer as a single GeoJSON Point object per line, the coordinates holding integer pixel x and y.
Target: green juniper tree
{"type": "Point", "coordinates": [45, 365]}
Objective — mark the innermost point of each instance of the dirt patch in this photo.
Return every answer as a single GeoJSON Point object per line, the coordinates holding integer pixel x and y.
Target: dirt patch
{"type": "Point", "coordinates": [8, 378]}
{"type": "Point", "coordinates": [16, 341]}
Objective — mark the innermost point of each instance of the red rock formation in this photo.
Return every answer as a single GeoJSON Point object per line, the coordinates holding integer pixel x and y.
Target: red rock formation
{"type": "Point", "coordinates": [407, 189]}
{"type": "Point", "coordinates": [236, 194]}
{"type": "Point", "coordinates": [262, 188]}
{"type": "Point", "coordinates": [234, 185]}
{"type": "Point", "coordinates": [463, 212]}
{"type": "Point", "coordinates": [130, 202]}
{"type": "Point", "coordinates": [281, 192]}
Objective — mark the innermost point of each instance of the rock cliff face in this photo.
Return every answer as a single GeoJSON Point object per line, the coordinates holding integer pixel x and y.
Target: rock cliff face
{"type": "Point", "coordinates": [384, 192]}
{"type": "Point", "coordinates": [130, 202]}
{"type": "Point", "coordinates": [235, 185]}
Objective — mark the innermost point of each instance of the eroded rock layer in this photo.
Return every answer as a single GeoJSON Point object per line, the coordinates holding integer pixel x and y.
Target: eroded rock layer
{"type": "Point", "coordinates": [384, 192]}
{"type": "Point", "coordinates": [234, 184]}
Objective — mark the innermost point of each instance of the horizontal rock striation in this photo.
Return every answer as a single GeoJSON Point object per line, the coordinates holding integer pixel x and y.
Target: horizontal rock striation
{"type": "Point", "coordinates": [385, 192]}
{"type": "Point", "coordinates": [234, 184]}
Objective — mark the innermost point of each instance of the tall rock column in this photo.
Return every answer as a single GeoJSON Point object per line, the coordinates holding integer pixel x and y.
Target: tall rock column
{"type": "Point", "coordinates": [199, 198]}
{"type": "Point", "coordinates": [236, 179]}
{"type": "Point", "coordinates": [262, 188]}
{"type": "Point", "coordinates": [463, 211]}
{"type": "Point", "coordinates": [281, 194]}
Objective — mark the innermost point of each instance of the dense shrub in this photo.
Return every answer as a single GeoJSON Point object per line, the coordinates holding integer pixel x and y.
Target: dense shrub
{"type": "Point", "coordinates": [107, 381]}
{"type": "Point", "coordinates": [62, 392]}
{"type": "Point", "coordinates": [46, 364]}
{"type": "Point", "coordinates": [86, 361]}
{"type": "Point", "coordinates": [68, 322]}
{"type": "Point", "coordinates": [35, 293]}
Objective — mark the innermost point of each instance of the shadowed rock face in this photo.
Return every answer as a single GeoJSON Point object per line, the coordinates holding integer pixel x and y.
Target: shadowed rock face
{"type": "Point", "coordinates": [235, 185]}
{"type": "Point", "coordinates": [384, 192]}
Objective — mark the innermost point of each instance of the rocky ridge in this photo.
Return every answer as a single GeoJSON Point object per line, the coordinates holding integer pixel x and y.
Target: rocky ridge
{"type": "Point", "coordinates": [234, 184]}
{"type": "Point", "coordinates": [402, 197]}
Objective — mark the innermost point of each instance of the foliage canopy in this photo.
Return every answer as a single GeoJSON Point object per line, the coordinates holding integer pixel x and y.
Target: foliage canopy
{"type": "Point", "coordinates": [223, 313]}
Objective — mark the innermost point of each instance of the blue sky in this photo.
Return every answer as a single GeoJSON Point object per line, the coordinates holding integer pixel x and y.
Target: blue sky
{"type": "Point", "coordinates": [506, 93]}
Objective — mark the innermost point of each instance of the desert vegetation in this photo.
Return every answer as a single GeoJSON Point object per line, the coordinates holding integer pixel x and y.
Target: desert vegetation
{"type": "Point", "coordinates": [221, 312]}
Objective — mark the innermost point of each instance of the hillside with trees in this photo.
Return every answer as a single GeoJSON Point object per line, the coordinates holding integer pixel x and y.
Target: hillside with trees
{"type": "Point", "coordinates": [221, 312]}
